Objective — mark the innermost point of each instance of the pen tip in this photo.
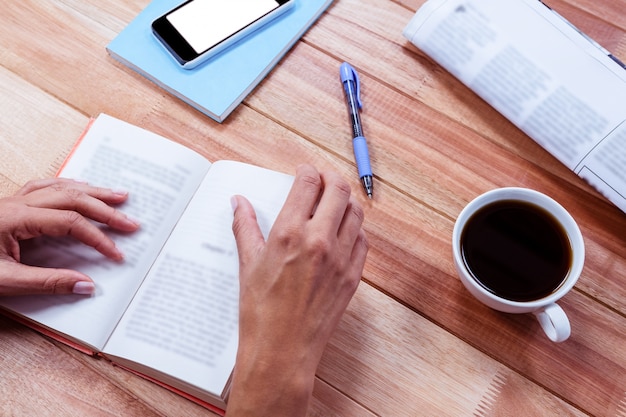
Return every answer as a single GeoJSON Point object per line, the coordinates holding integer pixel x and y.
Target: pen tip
{"type": "Point", "coordinates": [368, 186]}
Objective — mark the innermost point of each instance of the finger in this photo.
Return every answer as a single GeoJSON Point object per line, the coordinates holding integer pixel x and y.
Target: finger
{"type": "Point", "coordinates": [246, 229]}
{"type": "Point", "coordinates": [359, 253]}
{"type": "Point", "coordinates": [35, 185]}
{"type": "Point", "coordinates": [35, 280]}
{"type": "Point", "coordinates": [352, 241]}
{"type": "Point", "coordinates": [107, 195]}
{"type": "Point", "coordinates": [68, 223]}
{"type": "Point", "coordinates": [303, 196]}
{"type": "Point", "coordinates": [331, 209]}
{"type": "Point", "coordinates": [353, 275]}
{"type": "Point", "coordinates": [89, 201]}
{"type": "Point", "coordinates": [39, 191]}
{"type": "Point", "coordinates": [351, 225]}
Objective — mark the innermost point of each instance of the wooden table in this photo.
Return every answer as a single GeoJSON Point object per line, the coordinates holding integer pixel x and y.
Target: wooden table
{"type": "Point", "coordinates": [413, 341]}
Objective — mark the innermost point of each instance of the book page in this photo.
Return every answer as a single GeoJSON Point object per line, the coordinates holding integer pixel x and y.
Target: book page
{"type": "Point", "coordinates": [553, 82]}
{"type": "Point", "coordinates": [183, 322]}
{"type": "Point", "coordinates": [161, 176]}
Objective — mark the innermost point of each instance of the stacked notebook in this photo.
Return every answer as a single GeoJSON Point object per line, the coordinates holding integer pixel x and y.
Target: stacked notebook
{"type": "Point", "coordinates": [218, 86]}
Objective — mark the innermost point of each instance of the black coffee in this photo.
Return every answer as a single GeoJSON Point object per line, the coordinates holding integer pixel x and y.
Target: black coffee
{"type": "Point", "coordinates": [516, 250]}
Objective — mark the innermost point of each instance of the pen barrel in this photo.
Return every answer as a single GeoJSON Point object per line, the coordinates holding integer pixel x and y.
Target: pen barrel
{"type": "Point", "coordinates": [362, 157]}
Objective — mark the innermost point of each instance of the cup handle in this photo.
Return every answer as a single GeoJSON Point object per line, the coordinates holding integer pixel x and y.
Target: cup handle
{"type": "Point", "coordinates": [554, 322]}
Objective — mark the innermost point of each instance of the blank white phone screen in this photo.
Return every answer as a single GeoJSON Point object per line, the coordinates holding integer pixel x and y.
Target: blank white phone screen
{"type": "Point", "coordinates": [203, 23]}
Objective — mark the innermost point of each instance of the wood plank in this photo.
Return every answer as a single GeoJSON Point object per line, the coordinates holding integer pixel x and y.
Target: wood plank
{"type": "Point", "coordinates": [29, 115]}
{"type": "Point", "coordinates": [37, 376]}
{"type": "Point", "coordinates": [59, 84]}
{"type": "Point", "coordinates": [410, 264]}
{"type": "Point", "coordinates": [112, 15]}
{"type": "Point", "coordinates": [611, 11]}
{"type": "Point", "coordinates": [44, 55]}
{"type": "Point", "coordinates": [427, 157]}
{"type": "Point", "coordinates": [328, 401]}
{"type": "Point", "coordinates": [397, 363]}
{"type": "Point", "coordinates": [161, 401]}
{"type": "Point", "coordinates": [373, 42]}
{"type": "Point", "coordinates": [423, 154]}
{"type": "Point", "coordinates": [426, 346]}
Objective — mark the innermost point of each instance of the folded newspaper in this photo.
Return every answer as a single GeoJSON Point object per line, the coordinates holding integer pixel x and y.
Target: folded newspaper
{"type": "Point", "coordinates": [548, 78]}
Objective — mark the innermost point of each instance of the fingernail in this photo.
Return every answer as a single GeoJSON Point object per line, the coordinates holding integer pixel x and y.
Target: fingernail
{"type": "Point", "coordinates": [119, 256]}
{"type": "Point", "coordinates": [234, 202]}
{"type": "Point", "coordinates": [120, 192]}
{"type": "Point", "coordinates": [132, 220]}
{"type": "Point", "coordinates": [84, 288]}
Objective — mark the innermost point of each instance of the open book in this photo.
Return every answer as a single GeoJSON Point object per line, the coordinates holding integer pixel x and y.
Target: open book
{"type": "Point", "coordinates": [548, 78]}
{"type": "Point", "coordinates": [170, 311]}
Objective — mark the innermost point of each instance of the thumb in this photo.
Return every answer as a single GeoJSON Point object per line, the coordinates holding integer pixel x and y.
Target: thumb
{"type": "Point", "coordinates": [246, 229]}
{"type": "Point", "coordinates": [19, 279]}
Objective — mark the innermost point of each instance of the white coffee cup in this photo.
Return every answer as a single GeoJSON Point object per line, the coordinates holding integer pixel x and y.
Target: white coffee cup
{"type": "Point", "coordinates": [551, 316]}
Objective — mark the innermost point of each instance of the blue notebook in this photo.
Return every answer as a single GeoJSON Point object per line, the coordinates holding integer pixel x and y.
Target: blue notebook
{"type": "Point", "coordinates": [219, 85]}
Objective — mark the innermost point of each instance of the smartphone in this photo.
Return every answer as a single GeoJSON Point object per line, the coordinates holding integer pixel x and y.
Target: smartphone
{"type": "Point", "coordinates": [199, 29]}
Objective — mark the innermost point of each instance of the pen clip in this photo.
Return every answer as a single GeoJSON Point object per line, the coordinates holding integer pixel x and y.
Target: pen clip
{"type": "Point", "coordinates": [349, 74]}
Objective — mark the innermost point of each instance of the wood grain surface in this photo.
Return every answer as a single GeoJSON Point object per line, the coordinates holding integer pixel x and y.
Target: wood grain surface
{"type": "Point", "coordinates": [413, 342]}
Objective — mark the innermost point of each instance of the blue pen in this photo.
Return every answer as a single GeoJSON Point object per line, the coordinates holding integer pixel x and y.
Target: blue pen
{"type": "Point", "coordinates": [352, 87]}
